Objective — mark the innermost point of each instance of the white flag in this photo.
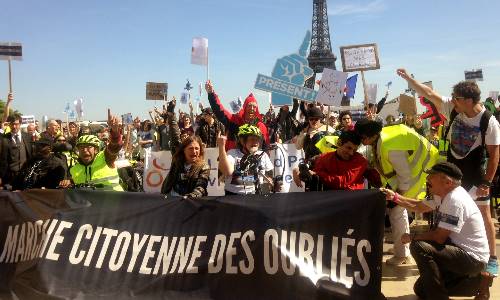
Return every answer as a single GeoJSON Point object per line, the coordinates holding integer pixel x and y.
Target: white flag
{"type": "Point", "coordinates": [79, 107]}
{"type": "Point", "coordinates": [371, 92]}
{"type": "Point", "coordinates": [199, 51]}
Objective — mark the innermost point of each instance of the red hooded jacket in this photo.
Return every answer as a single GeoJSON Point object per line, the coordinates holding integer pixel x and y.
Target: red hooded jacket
{"type": "Point", "coordinates": [234, 121]}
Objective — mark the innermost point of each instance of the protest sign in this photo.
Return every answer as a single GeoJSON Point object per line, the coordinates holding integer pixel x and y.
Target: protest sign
{"type": "Point", "coordinates": [11, 51]}
{"type": "Point", "coordinates": [156, 90]}
{"type": "Point", "coordinates": [157, 165]}
{"type": "Point", "coordinates": [284, 88]}
{"type": "Point", "coordinates": [199, 51]}
{"type": "Point", "coordinates": [288, 77]}
{"type": "Point", "coordinates": [407, 105]}
{"type": "Point", "coordinates": [359, 57]}
{"type": "Point", "coordinates": [107, 245]}
{"type": "Point", "coordinates": [285, 158]}
{"type": "Point", "coordinates": [474, 75]}
{"type": "Point", "coordinates": [127, 119]}
{"type": "Point", "coordinates": [390, 108]}
{"type": "Point", "coordinates": [28, 119]}
{"type": "Point", "coordinates": [331, 87]}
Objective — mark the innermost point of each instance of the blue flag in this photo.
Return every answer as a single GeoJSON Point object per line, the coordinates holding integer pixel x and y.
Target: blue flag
{"type": "Point", "coordinates": [351, 86]}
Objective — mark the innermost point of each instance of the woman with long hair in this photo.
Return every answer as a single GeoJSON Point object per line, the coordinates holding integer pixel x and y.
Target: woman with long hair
{"type": "Point", "coordinates": [188, 175]}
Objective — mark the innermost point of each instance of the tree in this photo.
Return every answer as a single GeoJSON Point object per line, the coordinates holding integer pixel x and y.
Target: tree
{"type": "Point", "coordinates": [12, 112]}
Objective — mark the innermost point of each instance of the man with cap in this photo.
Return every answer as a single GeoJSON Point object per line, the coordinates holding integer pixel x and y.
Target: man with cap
{"type": "Point", "coordinates": [456, 248]}
{"type": "Point", "coordinates": [44, 170]}
{"type": "Point", "coordinates": [209, 128]}
{"type": "Point", "coordinates": [400, 156]}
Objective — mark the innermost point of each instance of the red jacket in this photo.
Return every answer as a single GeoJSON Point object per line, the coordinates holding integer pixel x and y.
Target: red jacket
{"type": "Point", "coordinates": [338, 174]}
{"type": "Point", "coordinates": [233, 121]}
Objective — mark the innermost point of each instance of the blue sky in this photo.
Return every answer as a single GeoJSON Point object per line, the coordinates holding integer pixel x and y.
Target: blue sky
{"type": "Point", "coordinates": [105, 51]}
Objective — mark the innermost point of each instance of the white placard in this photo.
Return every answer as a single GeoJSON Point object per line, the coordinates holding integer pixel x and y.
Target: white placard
{"type": "Point", "coordinates": [199, 51]}
{"type": "Point", "coordinates": [390, 108]}
{"type": "Point", "coordinates": [360, 57]}
{"type": "Point", "coordinates": [494, 95]}
{"type": "Point", "coordinates": [371, 91]}
{"type": "Point", "coordinates": [285, 158]}
{"type": "Point", "coordinates": [331, 87]}
{"type": "Point", "coordinates": [29, 119]}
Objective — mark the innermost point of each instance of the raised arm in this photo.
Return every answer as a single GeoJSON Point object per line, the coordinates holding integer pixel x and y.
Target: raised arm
{"type": "Point", "coordinates": [221, 113]}
{"type": "Point", "coordinates": [6, 110]}
{"type": "Point", "coordinates": [115, 140]}
{"type": "Point", "coordinates": [422, 89]}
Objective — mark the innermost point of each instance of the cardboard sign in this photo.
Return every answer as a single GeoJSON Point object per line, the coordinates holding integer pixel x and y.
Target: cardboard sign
{"type": "Point", "coordinates": [285, 158]}
{"type": "Point", "coordinates": [156, 90]}
{"type": "Point", "coordinates": [127, 119]}
{"type": "Point", "coordinates": [474, 75]}
{"type": "Point", "coordinates": [391, 108]}
{"type": "Point", "coordinates": [360, 57]}
{"type": "Point", "coordinates": [407, 105]}
{"type": "Point", "coordinates": [331, 87]}
{"type": "Point", "coordinates": [11, 51]}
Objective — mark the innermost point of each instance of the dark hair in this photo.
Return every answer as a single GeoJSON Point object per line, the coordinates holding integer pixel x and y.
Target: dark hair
{"type": "Point", "coordinates": [344, 113]}
{"type": "Point", "coordinates": [468, 90]}
{"type": "Point", "coordinates": [350, 136]}
{"type": "Point", "coordinates": [13, 118]}
{"type": "Point", "coordinates": [179, 159]}
{"type": "Point", "coordinates": [368, 128]}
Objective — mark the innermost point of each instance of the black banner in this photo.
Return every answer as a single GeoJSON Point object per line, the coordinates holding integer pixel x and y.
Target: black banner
{"type": "Point", "coordinates": [86, 244]}
{"type": "Point", "coordinates": [11, 50]}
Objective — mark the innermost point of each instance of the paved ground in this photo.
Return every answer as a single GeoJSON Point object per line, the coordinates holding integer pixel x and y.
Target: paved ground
{"type": "Point", "coordinates": [397, 282]}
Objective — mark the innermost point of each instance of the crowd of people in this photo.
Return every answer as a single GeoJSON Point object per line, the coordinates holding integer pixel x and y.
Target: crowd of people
{"type": "Point", "coordinates": [450, 169]}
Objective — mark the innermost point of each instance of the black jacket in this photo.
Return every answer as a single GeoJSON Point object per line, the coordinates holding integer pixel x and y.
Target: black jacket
{"type": "Point", "coordinates": [10, 162]}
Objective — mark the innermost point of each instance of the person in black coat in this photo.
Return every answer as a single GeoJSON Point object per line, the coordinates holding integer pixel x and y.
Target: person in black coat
{"type": "Point", "coordinates": [15, 150]}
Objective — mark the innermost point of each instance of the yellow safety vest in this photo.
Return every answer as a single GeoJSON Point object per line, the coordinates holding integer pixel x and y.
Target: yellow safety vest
{"type": "Point", "coordinates": [327, 144]}
{"type": "Point", "coordinates": [97, 173]}
{"type": "Point", "coordinates": [423, 155]}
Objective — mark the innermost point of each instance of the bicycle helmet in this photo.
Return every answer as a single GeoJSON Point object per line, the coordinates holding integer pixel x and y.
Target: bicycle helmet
{"type": "Point", "coordinates": [88, 140]}
{"type": "Point", "coordinates": [247, 129]}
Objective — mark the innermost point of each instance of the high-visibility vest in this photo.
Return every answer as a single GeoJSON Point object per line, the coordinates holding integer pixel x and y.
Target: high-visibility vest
{"type": "Point", "coordinates": [327, 143]}
{"type": "Point", "coordinates": [97, 173]}
{"type": "Point", "coordinates": [422, 156]}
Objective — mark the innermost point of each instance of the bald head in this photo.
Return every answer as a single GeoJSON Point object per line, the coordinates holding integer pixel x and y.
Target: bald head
{"type": "Point", "coordinates": [52, 127]}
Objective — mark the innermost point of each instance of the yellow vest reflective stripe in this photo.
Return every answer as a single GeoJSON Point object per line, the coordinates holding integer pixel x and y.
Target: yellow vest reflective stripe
{"type": "Point", "coordinates": [97, 173]}
{"type": "Point", "coordinates": [423, 155]}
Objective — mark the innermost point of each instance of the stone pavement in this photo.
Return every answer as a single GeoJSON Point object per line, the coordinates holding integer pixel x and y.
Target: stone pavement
{"type": "Point", "coordinates": [397, 282]}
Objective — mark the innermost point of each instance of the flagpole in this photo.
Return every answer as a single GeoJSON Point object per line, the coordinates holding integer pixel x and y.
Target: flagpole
{"type": "Point", "coordinates": [364, 88]}
{"type": "Point", "coordinates": [208, 66]}
{"type": "Point", "coordinates": [10, 77]}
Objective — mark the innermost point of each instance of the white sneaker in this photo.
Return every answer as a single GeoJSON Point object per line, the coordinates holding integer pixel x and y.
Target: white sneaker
{"type": "Point", "coordinates": [400, 261]}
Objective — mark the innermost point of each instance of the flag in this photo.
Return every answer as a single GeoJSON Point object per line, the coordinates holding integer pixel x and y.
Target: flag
{"type": "Point", "coordinates": [388, 85]}
{"type": "Point", "coordinates": [351, 86]}
{"type": "Point", "coordinates": [67, 109]}
{"type": "Point", "coordinates": [200, 89]}
{"type": "Point", "coordinates": [79, 107]}
{"type": "Point", "coordinates": [184, 97]}
{"type": "Point", "coordinates": [371, 92]}
{"type": "Point", "coordinates": [199, 51]}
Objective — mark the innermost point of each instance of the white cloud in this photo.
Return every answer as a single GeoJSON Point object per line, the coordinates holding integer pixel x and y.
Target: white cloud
{"type": "Point", "coordinates": [358, 8]}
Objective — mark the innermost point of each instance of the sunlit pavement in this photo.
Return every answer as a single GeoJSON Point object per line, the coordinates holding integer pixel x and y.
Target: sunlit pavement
{"type": "Point", "coordinates": [397, 282]}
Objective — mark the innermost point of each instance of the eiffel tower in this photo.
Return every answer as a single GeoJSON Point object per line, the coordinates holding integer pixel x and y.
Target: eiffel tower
{"type": "Point", "coordinates": [320, 54]}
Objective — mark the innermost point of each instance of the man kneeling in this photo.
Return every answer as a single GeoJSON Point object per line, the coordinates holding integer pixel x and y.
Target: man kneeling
{"type": "Point", "coordinates": [457, 248]}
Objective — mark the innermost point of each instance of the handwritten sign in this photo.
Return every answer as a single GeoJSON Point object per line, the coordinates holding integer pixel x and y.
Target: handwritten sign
{"type": "Point", "coordinates": [156, 90]}
{"type": "Point", "coordinates": [331, 88]}
{"type": "Point", "coordinates": [360, 57]}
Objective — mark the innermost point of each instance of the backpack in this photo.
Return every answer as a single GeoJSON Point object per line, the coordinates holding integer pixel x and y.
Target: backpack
{"type": "Point", "coordinates": [483, 126]}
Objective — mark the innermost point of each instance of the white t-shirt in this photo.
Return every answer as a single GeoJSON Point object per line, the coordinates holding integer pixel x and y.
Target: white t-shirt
{"type": "Point", "coordinates": [465, 133]}
{"type": "Point", "coordinates": [458, 213]}
{"type": "Point", "coordinates": [242, 181]}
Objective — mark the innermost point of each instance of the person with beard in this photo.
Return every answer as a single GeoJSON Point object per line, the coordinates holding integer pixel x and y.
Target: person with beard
{"type": "Point", "coordinates": [44, 170]}
{"type": "Point", "coordinates": [243, 167]}
{"type": "Point", "coordinates": [96, 167]}
{"type": "Point", "coordinates": [189, 173]}
{"type": "Point", "coordinates": [249, 114]}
